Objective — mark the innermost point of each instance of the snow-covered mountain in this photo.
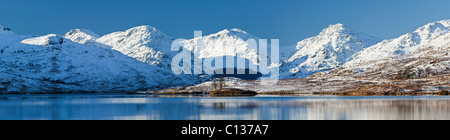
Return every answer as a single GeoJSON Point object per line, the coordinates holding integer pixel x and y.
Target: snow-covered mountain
{"type": "Point", "coordinates": [333, 47]}
{"type": "Point", "coordinates": [439, 42]}
{"type": "Point", "coordinates": [404, 44]}
{"type": "Point", "coordinates": [140, 58]}
{"type": "Point", "coordinates": [228, 43]}
{"type": "Point", "coordinates": [8, 37]}
{"type": "Point", "coordinates": [144, 43]}
{"type": "Point", "coordinates": [149, 45]}
{"type": "Point", "coordinates": [225, 43]}
{"type": "Point", "coordinates": [51, 63]}
{"type": "Point", "coordinates": [424, 72]}
{"type": "Point", "coordinates": [81, 36]}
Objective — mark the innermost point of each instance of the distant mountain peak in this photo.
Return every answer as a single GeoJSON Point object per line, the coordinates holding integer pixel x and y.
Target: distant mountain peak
{"type": "Point", "coordinates": [146, 29]}
{"type": "Point", "coordinates": [50, 40]}
{"type": "Point", "coordinates": [144, 43]}
{"type": "Point", "coordinates": [143, 28]}
{"type": "Point", "coordinates": [232, 33]}
{"type": "Point", "coordinates": [228, 42]}
{"type": "Point", "coordinates": [435, 25]}
{"type": "Point", "coordinates": [333, 47]}
{"type": "Point", "coordinates": [337, 35]}
{"type": "Point", "coordinates": [434, 29]}
{"type": "Point", "coordinates": [335, 29]}
{"type": "Point", "coordinates": [84, 31]}
{"type": "Point", "coordinates": [81, 35]}
{"type": "Point", "coordinates": [237, 30]}
{"type": "Point", "coordinates": [405, 44]}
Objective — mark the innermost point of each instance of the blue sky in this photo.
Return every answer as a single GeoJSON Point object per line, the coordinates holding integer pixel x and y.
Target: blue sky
{"type": "Point", "coordinates": [288, 20]}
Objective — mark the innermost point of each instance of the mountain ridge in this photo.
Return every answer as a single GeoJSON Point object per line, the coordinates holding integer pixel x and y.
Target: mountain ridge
{"type": "Point", "coordinates": [81, 35]}
{"type": "Point", "coordinates": [139, 58]}
{"type": "Point", "coordinates": [405, 44]}
{"type": "Point", "coordinates": [333, 47]}
{"type": "Point", "coordinates": [53, 64]}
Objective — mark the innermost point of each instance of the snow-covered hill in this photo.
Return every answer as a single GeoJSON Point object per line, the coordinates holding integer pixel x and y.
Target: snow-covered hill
{"type": "Point", "coordinates": [228, 43]}
{"type": "Point", "coordinates": [144, 43]}
{"type": "Point", "coordinates": [404, 44]}
{"type": "Point", "coordinates": [225, 43]}
{"type": "Point", "coordinates": [51, 63]}
{"type": "Point", "coordinates": [333, 47]}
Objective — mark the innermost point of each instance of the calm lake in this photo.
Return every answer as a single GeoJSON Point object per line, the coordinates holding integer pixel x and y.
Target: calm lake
{"type": "Point", "coordinates": [151, 107]}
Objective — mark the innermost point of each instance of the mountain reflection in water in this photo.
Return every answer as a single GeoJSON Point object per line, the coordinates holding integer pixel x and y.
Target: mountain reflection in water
{"type": "Point", "coordinates": [148, 107]}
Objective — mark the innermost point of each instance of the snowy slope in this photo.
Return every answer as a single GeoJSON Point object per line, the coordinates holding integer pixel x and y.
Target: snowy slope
{"type": "Point", "coordinates": [439, 42]}
{"type": "Point", "coordinates": [333, 47]}
{"type": "Point", "coordinates": [226, 42]}
{"type": "Point", "coordinates": [51, 63]}
{"type": "Point", "coordinates": [404, 44]}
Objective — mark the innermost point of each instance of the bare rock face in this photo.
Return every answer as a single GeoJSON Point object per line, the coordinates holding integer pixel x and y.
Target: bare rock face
{"type": "Point", "coordinates": [4, 28]}
{"type": "Point", "coordinates": [52, 64]}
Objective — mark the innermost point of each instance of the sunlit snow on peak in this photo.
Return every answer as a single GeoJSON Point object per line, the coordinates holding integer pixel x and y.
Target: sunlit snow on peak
{"type": "Point", "coordinates": [51, 39]}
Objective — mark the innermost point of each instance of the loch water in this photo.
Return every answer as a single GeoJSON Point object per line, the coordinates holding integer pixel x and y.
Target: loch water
{"type": "Point", "coordinates": [156, 107]}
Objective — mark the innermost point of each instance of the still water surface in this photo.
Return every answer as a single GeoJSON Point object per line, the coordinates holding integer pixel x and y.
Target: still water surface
{"type": "Point", "coordinates": [150, 107]}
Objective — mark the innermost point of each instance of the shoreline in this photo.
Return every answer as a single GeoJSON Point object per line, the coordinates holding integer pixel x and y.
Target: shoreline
{"type": "Point", "coordinates": [258, 95]}
{"type": "Point", "coordinates": [446, 93]}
